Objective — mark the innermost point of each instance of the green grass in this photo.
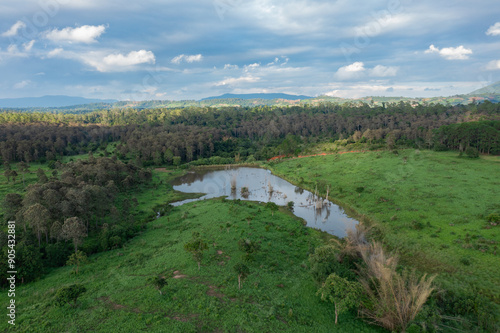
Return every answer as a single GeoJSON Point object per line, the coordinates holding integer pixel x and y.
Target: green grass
{"type": "Point", "coordinates": [278, 295]}
{"type": "Point", "coordinates": [429, 206]}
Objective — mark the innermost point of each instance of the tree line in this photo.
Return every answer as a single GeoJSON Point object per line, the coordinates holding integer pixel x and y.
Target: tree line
{"type": "Point", "coordinates": [170, 136]}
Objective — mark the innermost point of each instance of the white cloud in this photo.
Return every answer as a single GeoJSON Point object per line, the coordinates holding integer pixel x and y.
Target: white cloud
{"type": "Point", "coordinates": [84, 34]}
{"type": "Point", "coordinates": [229, 66]}
{"type": "Point", "coordinates": [27, 46]}
{"type": "Point", "coordinates": [383, 71]}
{"type": "Point", "coordinates": [133, 58]}
{"type": "Point", "coordinates": [352, 71]}
{"type": "Point", "coordinates": [451, 53]}
{"type": "Point", "coordinates": [103, 62]}
{"type": "Point", "coordinates": [235, 81]}
{"type": "Point", "coordinates": [251, 67]}
{"type": "Point", "coordinates": [14, 29]}
{"type": "Point", "coordinates": [493, 65]}
{"type": "Point", "coordinates": [494, 30]}
{"type": "Point", "coordinates": [55, 52]}
{"type": "Point", "coordinates": [187, 58]}
{"type": "Point", "coordinates": [22, 84]}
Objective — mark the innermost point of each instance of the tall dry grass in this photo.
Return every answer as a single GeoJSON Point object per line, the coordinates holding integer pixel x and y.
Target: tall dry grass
{"type": "Point", "coordinates": [393, 299]}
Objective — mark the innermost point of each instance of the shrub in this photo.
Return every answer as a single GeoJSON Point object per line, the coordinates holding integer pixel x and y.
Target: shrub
{"type": "Point", "coordinates": [158, 282]}
{"type": "Point", "coordinates": [344, 294]}
{"type": "Point", "coordinates": [69, 294]}
{"type": "Point", "coordinates": [472, 152]}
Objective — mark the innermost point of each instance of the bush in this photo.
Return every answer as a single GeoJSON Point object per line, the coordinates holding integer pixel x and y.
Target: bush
{"type": "Point", "coordinates": [69, 294]}
{"type": "Point", "coordinates": [472, 152]}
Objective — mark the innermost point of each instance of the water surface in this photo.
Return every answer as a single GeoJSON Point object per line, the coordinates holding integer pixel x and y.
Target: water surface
{"type": "Point", "coordinates": [263, 186]}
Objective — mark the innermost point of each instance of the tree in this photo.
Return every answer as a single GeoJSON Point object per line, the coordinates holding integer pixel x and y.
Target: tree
{"type": "Point", "coordinates": [7, 173]}
{"type": "Point", "coordinates": [37, 217]}
{"type": "Point", "coordinates": [42, 178]}
{"type": "Point", "coordinates": [247, 246]}
{"type": "Point", "coordinates": [158, 282]}
{"type": "Point", "coordinates": [69, 294]}
{"type": "Point", "coordinates": [176, 160]}
{"type": "Point", "coordinates": [74, 229]}
{"type": "Point", "coordinates": [196, 247]}
{"type": "Point", "coordinates": [79, 258]}
{"type": "Point", "coordinates": [271, 205]}
{"type": "Point", "coordinates": [11, 204]}
{"type": "Point", "coordinates": [344, 294]}
{"type": "Point", "coordinates": [24, 167]}
{"type": "Point", "coordinates": [242, 271]}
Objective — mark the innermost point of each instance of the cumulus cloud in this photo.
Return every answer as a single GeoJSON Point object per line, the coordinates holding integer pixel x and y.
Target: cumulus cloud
{"type": "Point", "coordinates": [451, 53]}
{"type": "Point", "coordinates": [352, 71]}
{"type": "Point", "coordinates": [494, 30]}
{"type": "Point", "coordinates": [493, 65]}
{"type": "Point", "coordinates": [22, 84]}
{"type": "Point", "coordinates": [187, 58]}
{"type": "Point", "coordinates": [115, 62]}
{"type": "Point", "coordinates": [14, 29]}
{"type": "Point", "coordinates": [84, 34]}
{"type": "Point", "coordinates": [383, 71]}
{"type": "Point", "coordinates": [133, 58]}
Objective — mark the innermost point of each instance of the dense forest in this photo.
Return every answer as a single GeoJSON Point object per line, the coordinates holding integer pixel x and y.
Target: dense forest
{"type": "Point", "coordinates": [168, 136]}
{"type": "Point", "coordinates": [77, 200]}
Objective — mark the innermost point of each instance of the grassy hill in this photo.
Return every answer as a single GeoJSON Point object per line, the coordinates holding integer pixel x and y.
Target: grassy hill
{"type": "Point", "coordinates": [277, 296]}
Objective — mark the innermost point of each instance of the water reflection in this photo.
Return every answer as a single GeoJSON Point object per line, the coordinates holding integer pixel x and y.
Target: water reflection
{"type": "Point", "coordinates": [260, 185]}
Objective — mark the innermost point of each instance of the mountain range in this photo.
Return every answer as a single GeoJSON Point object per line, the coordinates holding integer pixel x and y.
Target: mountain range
{"type": "Point", "coordinates": [490, 92]}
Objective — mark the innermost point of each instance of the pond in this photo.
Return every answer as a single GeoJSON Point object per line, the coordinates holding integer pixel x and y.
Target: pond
{"type": "Point", "coordinates": [261, 185]}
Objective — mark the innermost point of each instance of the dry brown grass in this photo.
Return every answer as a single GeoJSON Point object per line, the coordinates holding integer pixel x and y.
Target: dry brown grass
{"type": "Point", "coordinates": [393, 299]}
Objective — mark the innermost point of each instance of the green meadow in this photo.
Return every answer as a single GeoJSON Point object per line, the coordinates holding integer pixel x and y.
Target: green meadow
{"type": "Point", "coordinates": [278, 295]}
{"type": "Point", "coordinates": [430, 207]}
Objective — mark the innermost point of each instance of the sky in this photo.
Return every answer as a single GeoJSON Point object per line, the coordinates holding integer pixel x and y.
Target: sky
{"type": "Point", "coordinates": [188, 49]}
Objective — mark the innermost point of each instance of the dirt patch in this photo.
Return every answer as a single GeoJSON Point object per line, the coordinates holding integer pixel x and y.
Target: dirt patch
{"type": "Point", "coordinates": [116, 306]}
{"type": "Point", "coordinates": [179, 275]}
{"type": "Point", "coordinates": [212, 291]}
{"type": "Point", "coordinates": [163, 170]}
{"type": "Point", "coordinates": [183, 317]}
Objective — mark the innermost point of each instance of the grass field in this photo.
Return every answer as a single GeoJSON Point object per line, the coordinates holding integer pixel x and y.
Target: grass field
{"type": "Point", "coordinates": [278, 296]}
{"type": "Point", "coordinates": [430, 207]}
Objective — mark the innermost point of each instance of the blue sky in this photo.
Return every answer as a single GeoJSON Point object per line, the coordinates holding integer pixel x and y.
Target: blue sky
{"type": "Point", "coordinates": [186, 49]}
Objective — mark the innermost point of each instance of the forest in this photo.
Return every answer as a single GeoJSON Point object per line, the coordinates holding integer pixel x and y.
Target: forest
{"type": "Point", "coordinates": [92, 166]}
{"type": "Point", "coordinates": [163, 136]}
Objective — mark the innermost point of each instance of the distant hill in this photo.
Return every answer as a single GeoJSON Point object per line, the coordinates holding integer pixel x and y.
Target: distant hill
{"type": "Point", "coordinates": [258, 96]}
{"type": "Point", "coordinates": [492, 89]}
{"type": "Point", "coordinates": [55, 101]}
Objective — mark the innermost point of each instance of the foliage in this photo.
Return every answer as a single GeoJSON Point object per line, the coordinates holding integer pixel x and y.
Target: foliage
{"type": "Point", "coordinates": [77, 259]}
{"type": "Point", "coordinates": [69, 294]}
{"type": "Point", "coordinates": [74, 229]}
{"type": "Point", "coordinates": [249, 247]}
{"type": "Point", "coordinates": [242, 270]}
{"type": "Point", "coordinates": [196, 247]}
{"type": "Point", "coordinates": [344, 294]}
{"type": "Point", "coordinates": [158, 282]}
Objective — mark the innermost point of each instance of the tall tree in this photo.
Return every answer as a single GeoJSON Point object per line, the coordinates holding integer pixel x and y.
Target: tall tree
{"type": "Point", "coordinates": [38, 218]}
{"type": "Point", "coordinates": [74, 229]}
